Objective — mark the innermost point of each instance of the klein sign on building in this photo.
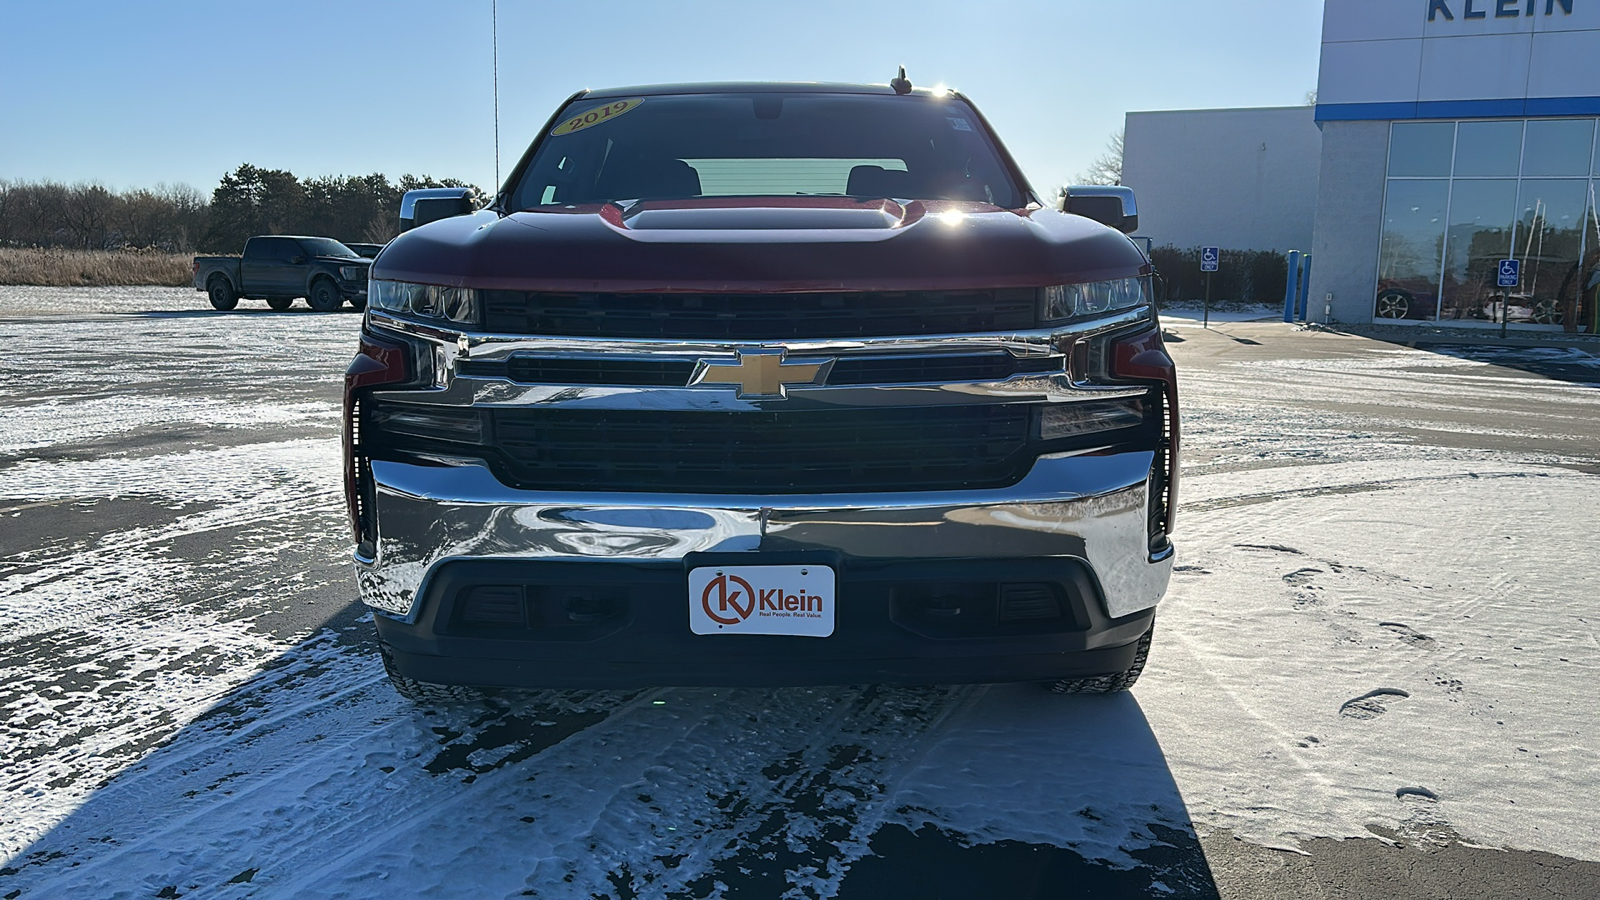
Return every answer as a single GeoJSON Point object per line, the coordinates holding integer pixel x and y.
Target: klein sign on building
{"type": "Point", "coordinates": [1459, 59]}
{"type": "Point", "coordinates": [1503, 9]}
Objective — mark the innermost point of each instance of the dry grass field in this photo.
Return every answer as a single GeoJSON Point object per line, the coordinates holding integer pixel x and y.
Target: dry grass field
{"type": "Point", "coordinates": [94, 268]}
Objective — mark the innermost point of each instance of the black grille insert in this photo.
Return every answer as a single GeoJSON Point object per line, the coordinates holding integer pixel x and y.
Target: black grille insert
{"type": "Point", "coordinates": [582, 370]}
{"type": "Point", "coordinates": [907, 369]}
{"type": "Point", "coordinates": [939, 448]}
{"type": "Point", "coordinates": [769, 317]}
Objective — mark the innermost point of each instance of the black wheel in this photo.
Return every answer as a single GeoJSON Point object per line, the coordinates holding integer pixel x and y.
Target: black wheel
{"type": "Point", "coordinates": [1110, 684]}
{"type": "Point", "coordinates": [1547, 312]}
{"type": "Point", "coordinates": [221, 294]}
{"type": "Point", "coordinates": [325, 296]}
{"type": "Point", "coordinates": [424, 693]}
{"type": "Point", "coordinates": [358, 303]}
{"type": "Point", "coordinates": [280, 303]}
{"type": "Point", "coordinates": [1393, 305]}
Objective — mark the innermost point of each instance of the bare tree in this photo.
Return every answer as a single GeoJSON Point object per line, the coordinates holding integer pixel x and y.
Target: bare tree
{"type": "Point", "coordinates": [1107, 168]}
{"type": "Point", "coordinates": [40, 212]}
{"type": "Point", "coordinates": [85, 212]}
{"type": "Point", "coordinates": [189, 211]}
{"type": "Point", "coordinates": [7, 208]}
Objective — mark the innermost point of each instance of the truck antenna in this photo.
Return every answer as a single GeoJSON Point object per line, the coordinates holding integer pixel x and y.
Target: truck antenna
{"type": "Point", "coordinates": [494, 38]}
{"type": "Point", "coordinates": [901, 84]}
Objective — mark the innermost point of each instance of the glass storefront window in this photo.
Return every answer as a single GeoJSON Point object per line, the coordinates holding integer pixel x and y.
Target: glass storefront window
{"type": "Point", "coordinates": [1481, 217]}
{"type": "Point", "coordinates": [1589, 289]}
{"type": "Point", "coordinates": [1421, 149]}
{"type": "Point", "coordinates": [1558, 147]}
{"type": "Point", "coordinates": [1408, 257]}
{"type": "Point", "coordinates": [1488, 149]}
{"type": "Point", "coordinates": [1461, 196]}
{"type": "Point", "coordinates": [1551, 216]}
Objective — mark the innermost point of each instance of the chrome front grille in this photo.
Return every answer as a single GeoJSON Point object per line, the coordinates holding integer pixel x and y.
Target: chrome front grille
{"type": "Point", "coordinates": [900, 368]}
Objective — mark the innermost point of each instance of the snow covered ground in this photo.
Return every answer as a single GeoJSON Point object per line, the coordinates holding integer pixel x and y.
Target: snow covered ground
{"type": "Point", "coordinates": [1194, 315]}
{"type": "Point", "coordinates": [1381, 624]}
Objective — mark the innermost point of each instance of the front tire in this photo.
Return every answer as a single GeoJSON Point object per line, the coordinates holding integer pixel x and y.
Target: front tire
{"type": "Point", "coordinates": [280, 303]}
{"type": "Point", "coordinates": [221, 294]}
{"type": "Point", "coordinates": [325, 296]}
{"type": "Point", "coordinates": [426, 693]}
{"type": "Point", "coordinates": [1115, 682]}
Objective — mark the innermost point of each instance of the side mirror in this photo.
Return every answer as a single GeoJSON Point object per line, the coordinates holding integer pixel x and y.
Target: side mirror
{"type": "Point", "coordinates": [1107, 204]}
{"type": "Point", "coordinates": [297, 260]}
{"type": "Point", "coordinates": [424, 205]}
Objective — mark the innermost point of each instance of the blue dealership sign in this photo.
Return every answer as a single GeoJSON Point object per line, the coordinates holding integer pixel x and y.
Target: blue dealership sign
{"type": "Point", "coordinates": [1510, 273]}
{"type": "Point", "coordinates": [1209, 257]}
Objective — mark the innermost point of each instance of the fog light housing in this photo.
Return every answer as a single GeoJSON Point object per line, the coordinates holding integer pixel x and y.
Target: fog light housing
{"type": "Point", "coordinates": [1063, 420]}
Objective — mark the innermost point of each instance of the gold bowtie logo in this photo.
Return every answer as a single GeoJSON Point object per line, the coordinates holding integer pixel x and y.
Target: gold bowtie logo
{"type": "Point", "coordinates": [762, 373]}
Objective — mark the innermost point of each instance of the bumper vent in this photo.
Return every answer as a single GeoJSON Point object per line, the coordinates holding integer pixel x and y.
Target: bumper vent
{"type": "Point", "coordinates": [489, 605]}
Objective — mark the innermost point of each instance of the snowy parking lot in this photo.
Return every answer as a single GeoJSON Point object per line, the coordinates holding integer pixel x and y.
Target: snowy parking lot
{"type": "Point", "coordinates": [1373, 674]}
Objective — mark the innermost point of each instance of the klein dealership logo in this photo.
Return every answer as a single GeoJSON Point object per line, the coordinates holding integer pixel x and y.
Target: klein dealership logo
{"type": "Point", "coordinates": [1499, 9]}
{"type": "Point", "coordinates": [780, 600]}
{"type": "Point", "coordinates": [731, 600]}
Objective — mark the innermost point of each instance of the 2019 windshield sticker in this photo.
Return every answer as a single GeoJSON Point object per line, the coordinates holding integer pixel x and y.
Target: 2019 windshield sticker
{"type": "Point", "coordinates": [595, 116]}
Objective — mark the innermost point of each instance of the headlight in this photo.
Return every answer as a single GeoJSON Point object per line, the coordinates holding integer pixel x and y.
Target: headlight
{"type": "Point", "coordinates": [1069, 301]}
{"type": "Point", "coordinates": [431, 300]}
{"type": "Point", "coordinates": [352, 273]}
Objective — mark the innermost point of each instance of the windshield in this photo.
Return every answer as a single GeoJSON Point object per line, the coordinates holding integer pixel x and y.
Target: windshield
{"type": "Point", "coordinates": [765, 145]}
{"type": "Point", "coordinates": [327, 247]}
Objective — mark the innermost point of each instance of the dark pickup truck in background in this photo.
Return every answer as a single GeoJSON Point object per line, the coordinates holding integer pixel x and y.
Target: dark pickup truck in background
{"type": "Point", "coordinates": [279, 268]}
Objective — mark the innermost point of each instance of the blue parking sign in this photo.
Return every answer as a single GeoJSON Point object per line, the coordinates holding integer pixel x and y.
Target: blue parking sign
{"type": "Point", "coordinates": [1209, 257]}
{"type": "Point", "coordinates": [1510, 273]}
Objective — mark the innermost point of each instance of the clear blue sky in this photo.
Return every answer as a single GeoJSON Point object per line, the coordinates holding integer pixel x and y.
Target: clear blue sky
{"type": "Point", "coordinates": [131, 94]}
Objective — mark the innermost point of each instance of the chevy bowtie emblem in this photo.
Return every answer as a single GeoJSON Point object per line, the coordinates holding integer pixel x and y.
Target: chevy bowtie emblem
{"type": "Point", "coordinates": [762, 373]}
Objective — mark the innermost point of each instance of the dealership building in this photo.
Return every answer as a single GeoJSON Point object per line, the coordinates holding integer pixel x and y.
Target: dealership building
{"type": "Point", "coordinates": [1454, 135]}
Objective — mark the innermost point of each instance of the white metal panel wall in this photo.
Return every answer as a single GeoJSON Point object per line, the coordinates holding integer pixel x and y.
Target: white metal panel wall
{"type": "Point", "coordinates": [1242, 179]}
{"type": "Point", "coordinates": [1385, 59]}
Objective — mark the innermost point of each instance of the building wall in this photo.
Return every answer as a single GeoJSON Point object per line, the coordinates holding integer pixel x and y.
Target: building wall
{"type": "Point", "coordinates": [1241, 179]}
{"type": "Point", "coordinates": [1490, 106]}
{"type": "Point", "coordinates": [1445, 59]}
{"type": "Point", "coordinates": [1349, 220]}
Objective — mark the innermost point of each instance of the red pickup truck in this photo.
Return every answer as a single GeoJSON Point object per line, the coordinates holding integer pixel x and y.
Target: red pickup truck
{"type": "Point", "coordinates": [764, 384]}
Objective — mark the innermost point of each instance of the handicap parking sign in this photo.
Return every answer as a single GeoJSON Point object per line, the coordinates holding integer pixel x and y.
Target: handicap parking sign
{"type": "Point", "coordinates": [1510, 272]}
{"type": "Point", "coordinates": [1209, 256]}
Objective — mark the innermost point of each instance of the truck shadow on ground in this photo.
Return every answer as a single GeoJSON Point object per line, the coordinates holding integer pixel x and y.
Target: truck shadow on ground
{"type": "Point", "coordinates": [314, 779]}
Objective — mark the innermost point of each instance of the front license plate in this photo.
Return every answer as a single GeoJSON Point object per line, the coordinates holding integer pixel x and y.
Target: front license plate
{"type": "Point", "coordinates": [792, 600]}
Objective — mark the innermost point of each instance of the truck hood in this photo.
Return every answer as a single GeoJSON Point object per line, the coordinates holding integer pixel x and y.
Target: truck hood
{"type": "Point", "coordinates": [766, 244]}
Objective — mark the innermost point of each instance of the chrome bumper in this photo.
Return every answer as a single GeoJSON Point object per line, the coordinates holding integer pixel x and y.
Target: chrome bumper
{"type": "Point", "coordinates": [1094, 508]}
